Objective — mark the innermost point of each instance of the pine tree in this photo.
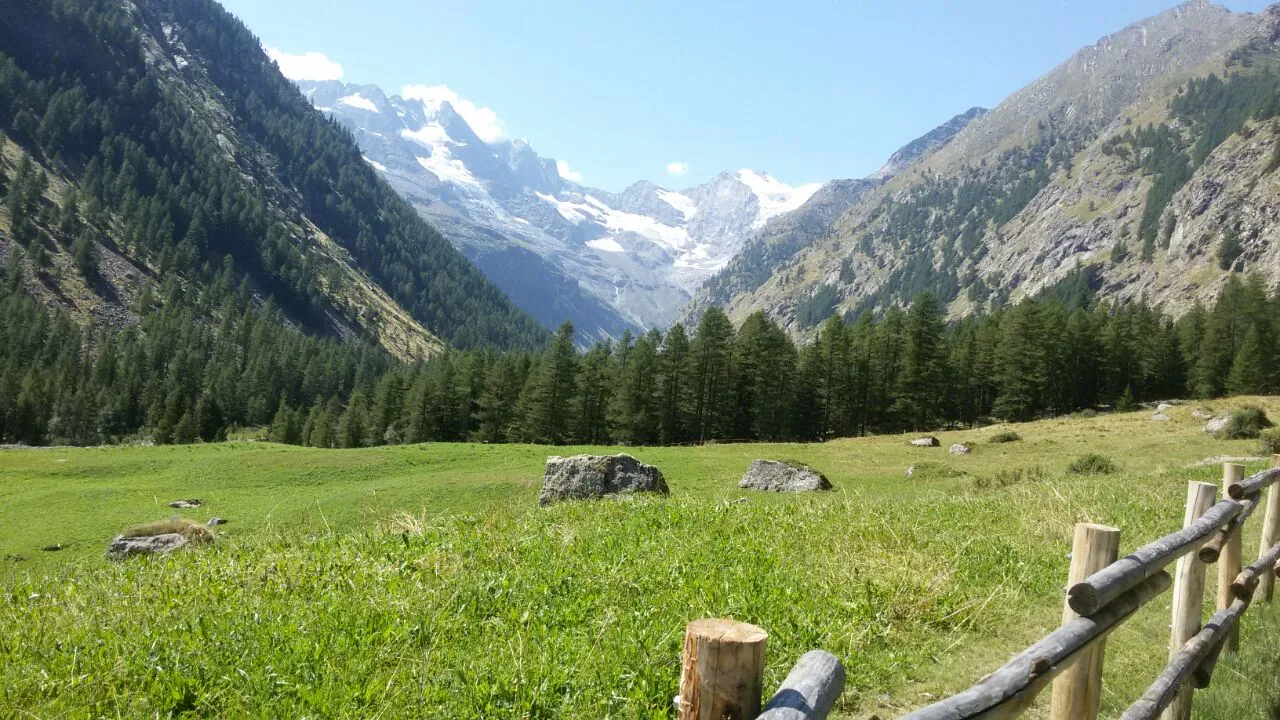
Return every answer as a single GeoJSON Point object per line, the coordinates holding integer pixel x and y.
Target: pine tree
{"type": "Point", "coordinates": [712, 353]}
{"type": "Point", "coordinates": [1019, 364]}
{"type": "Point", "coordinates": [922, 376]}
{"type": "Point", "coordinates": [549, 395]}
{"type": "Point", "coordinates": [674, 386]}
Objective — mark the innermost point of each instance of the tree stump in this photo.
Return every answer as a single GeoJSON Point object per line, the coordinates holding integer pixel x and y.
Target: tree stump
{"type": "Point", "coordinates": [723, 671]}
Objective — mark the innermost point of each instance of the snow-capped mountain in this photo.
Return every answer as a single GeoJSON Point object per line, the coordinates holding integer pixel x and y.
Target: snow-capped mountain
{"type": "Point", "coordinates": [560, 250]}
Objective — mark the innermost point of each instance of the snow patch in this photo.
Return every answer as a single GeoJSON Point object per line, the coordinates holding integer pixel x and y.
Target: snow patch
{"type": "Point", "coordinates": [431, 135]}
{"type": "Point", "coordinates": [606, 244]}
{"type": "Point", "coordinates": [376, 165]}
{"type": "Point", "coordinates": [774, 197]}
{"type": "Point", "coordinates": [359, 101]}
{"type": "Point", "coordinates": [679, 202]}
{"type": "Point", "coordinates": [444, 166]}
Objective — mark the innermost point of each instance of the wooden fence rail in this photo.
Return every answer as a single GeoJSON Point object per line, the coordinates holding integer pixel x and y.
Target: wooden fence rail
{"type": "Point", "coordinates": [723, 667]}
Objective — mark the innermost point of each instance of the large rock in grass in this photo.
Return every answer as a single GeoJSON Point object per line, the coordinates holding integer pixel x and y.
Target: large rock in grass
{"type": "Point", "coordinates": [926, 441]}
{"type": "Point", "coordinates": [590, 477]}
{"type": "Point", "coordinates": [961, 449]}
{"type": "Point", "coordinates": [775, 476]}
{"type": "Point", "coordinates": [125, 547]}
{"type": "Point", "coordinates": [1217, 424]}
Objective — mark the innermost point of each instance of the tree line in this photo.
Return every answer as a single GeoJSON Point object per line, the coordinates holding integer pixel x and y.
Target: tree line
{"type": "Point", "coordinates": [176, 379]}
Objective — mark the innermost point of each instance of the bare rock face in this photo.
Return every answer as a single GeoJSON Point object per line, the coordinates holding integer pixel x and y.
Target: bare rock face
{"type": "Point", "coordinates": [961, 449]}
{"type": "Point", "coordinates": [927, 441]}
{"type": "Point", "coordinates": [590, 477]}
{"type": "Point", "coordinates": [1216, 424]}
{"type": "Point", "coordinates": [125, 547]}
{"type": "Point", "coordinates": [775, 476]}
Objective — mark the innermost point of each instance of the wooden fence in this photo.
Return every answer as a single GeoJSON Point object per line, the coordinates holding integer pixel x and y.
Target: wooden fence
{"type": "Point", "coordinates": [723, 664]}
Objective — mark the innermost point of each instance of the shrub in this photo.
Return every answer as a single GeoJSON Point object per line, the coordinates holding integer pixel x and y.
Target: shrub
{"type": "Point", "coordinates": [933, 471]}
{"type": "Point", "coordinates": [1005, 478]}
{"type": "Point", "coordinates": [1245, 424]}
{"type": "Point", "coordinates": [1269, 442]}
{"type": "Point", "coordinates": [1092, 464]}
{"type": "Point", "coordinates": [1004, 437]}
{"type": "Point", "coordinates": [192, 531]}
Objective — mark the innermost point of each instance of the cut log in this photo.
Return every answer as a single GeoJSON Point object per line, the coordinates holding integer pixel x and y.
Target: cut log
{"type": "Point", "coordinates": [1188, 595]}
{"type": "Point", "coordinates": [810, 691]}
{"type": "Point", "coordinates": [1247, 581]}
{"type": "Point", "coordinates": [1078, 692]}
{"type": "Point", "coordinates": [1011, 690]}
{"type": "Point", "coordinates": [723, 671]}
{"type": "Point", "coordinates": [1109, 583]}
{"type": "Point", "coordinates": [1231, 561]}
{"type": "Point", "coordinates": [1165, 688]}
{"type": "Point", "coordinates": [1210, 551]}
{"type": "Point", "coordinates": [1255, 483]}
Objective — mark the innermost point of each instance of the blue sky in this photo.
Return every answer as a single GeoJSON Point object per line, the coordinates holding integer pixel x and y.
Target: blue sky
{"type": "Point", "coordinates": [808, 90]}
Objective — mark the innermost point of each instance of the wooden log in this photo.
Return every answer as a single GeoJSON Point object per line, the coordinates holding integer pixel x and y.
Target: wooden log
{"type": "Point", "coordinates": [1232, 558]}
{"type": "Point", "coordinates": [1188, 594]}
{"type": "Point", "coordinates": [723, 671]}
{"type": "Point", "coordinates": [1077, 694]}
{"type": "Point", "coordinates": [1011, 690]}
{"type": "Point", "coordinates": [1256, 483]}
{"type": "Point", "coordinates": [1210, 551]}
{"type": "Point", "coordinates": [1109, 583]}
{"type": "Point", "coordinates": [1270, 534]}
{"type": "Point", "coordinates": [1175, 675]}
{"type": "Point", "coordinates": [1250, 579]}
{"type": "Point", "coordinates": [810, 691]}
{"type": "Point", "coordinates": [1203, 675]}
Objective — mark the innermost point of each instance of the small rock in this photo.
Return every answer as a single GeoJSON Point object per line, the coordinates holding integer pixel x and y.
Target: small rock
{"type": "Point", "coordinates": [52, 548]}
{"type": "Point", "coordinates": [777, 476]}
{"type": "Point", "coordinates": [1160, 417]}
{"type": "Point", "coordinates": [124, 547]}
{"type": "Point", "coordinates": [926, 441]}
{"type": "Point", "coordinates": [589, 477]}
{"type": "Point", "coordinates": [216, 521]}
{"type": "Point", "coordinates": [185, 504]}
{"type": "Point", "coordinates": [911, 471]}
{"type": "Point", "coordinates": [961, 449]}
{"type": "Point", "coordinates": [1200, 415]}
{"type": "Point", "coordinates": [1217, 424]}
{"type": "Point", "coordinates": [1163, 406]}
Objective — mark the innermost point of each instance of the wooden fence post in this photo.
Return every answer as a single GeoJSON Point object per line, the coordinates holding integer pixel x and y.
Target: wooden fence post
{"type": "Point", "coordinates": [1270, 535]}
{"type": "Point", "coordinates": [1188, 595]}
{"type": "Point", "coordinates": [723, 671]}
{"type": "Point", "coordinates": [1078, 690]}
{"type": "Point", "coordinates": [1231, 561]}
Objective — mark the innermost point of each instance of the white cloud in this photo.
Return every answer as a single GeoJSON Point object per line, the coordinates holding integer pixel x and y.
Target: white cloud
{"type": "Point", "coordinates": [482, 120]}
{"type": "Point", "coordinates": [567, 173]}
{"type": "Point", "coordinates": [307, 66]}
{"type": "Point", "coordinates": [678, 167]}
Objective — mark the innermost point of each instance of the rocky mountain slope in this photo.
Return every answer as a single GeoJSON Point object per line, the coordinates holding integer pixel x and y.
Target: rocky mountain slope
{"type": "Point", "coordinates": [561, 250]}
{"type": "Point", "coordinates": [1127, 161]}
{"type": "Point", "coordinates": [152, 142]}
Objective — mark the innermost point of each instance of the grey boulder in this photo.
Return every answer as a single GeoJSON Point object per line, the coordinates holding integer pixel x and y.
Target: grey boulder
{"type": "Point", "coordinates": [589, 477]}
{"type": "Point", "coordinates": [185, 504]}
{"type": "Point", "coordinates": [1217, 423]}
{"type": "Point", "coordinates": [215, 521]}
{"type": "Point", "coordinates": [124, 547]}
{"type": "Point", "coordinates": [775, 476]}
{"type": "Point", "coordinates": [961, 449]}
{"type": "Point", "coordinates": [1160, 417]}
{"type": "Point", "coordinates": [926, 441]}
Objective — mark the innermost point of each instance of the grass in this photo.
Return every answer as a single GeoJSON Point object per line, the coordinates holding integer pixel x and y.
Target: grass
{"type": "Point", "coordinates": [424, 581]}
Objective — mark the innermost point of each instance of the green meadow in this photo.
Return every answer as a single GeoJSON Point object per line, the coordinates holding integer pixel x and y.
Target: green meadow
{"type": "Point", "coordinates": [423, 581]}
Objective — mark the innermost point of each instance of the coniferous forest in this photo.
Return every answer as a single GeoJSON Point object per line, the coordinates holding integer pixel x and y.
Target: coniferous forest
{"type": "Point", "coordinates": [174, 381]}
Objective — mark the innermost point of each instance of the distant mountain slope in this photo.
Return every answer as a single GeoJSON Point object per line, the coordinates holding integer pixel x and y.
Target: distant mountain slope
{"type": "Point", "coordinates": [188, 146]}
{"type": "Point", "coordinates": [1125, 160]}
{"type": "Point", "coordinates": [607, 261]}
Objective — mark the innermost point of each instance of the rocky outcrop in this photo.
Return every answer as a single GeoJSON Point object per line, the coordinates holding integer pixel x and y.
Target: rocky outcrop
{"type": "Point", "coordinates": [126, 547]}
{"type": "Point", "coordinates": [590, 477]}
{"type": "Point", "coordinates": [776, 476]}
{"type": "Point", "coordinates": [927, 441]}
